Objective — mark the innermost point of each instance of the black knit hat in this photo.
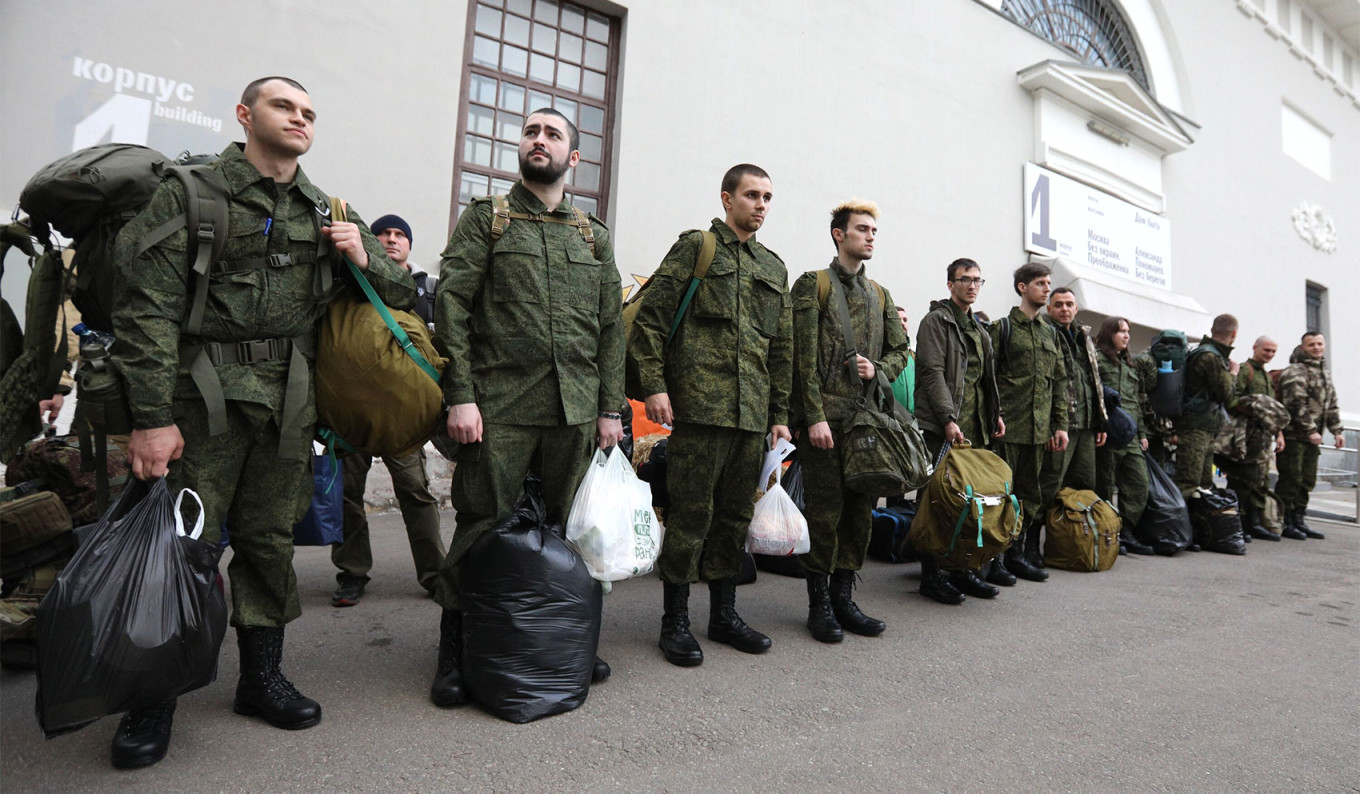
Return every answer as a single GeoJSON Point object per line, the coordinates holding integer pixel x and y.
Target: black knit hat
{"type": "Point", "coordinates": [392, 222]}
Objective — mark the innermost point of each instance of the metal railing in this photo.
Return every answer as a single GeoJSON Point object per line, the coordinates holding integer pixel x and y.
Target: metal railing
{"type": "Point", "coordinates": [1345, 471]}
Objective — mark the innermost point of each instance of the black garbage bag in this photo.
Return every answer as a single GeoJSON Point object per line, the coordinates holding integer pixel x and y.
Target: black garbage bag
{"type": "Point", "coordinates": [531, 617]}
{"type": "Point", "coordinates": [793, 481]}
{"type": "Point", "coordinates": [1217, 524]}
{"type": "Point", "coordinates": [1165, 525]}
{"type": "Point", "coordinates": [135, 618]}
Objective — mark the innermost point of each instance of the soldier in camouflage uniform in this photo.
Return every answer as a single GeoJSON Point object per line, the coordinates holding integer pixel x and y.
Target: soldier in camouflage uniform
{"type": "Point", "coordinates": [723, 381]}
{"type": "Point", "coordinates": [529, 321]}
{"type": "Point", "coordinates": [1032, 380]}
{"type": "Point", "coordinates": [229, 412]}
{"type": "Point", "coordinates": [824, 398]}
{"type": "Point", "coordinates": [1306, 390]}
{"type": "Point", "coordinates": [1125, 468]}
{"type": "Point", "coordinates": [956, 400]}
{"type": "Point", "coordinates": [1251, 479]}
{"type": "Point", "coordinates": [1208, 392]}
{"type": "Point", "coordinates": [1074, 467]}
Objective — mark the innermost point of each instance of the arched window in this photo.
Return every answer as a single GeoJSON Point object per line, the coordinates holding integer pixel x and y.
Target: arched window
{"type": "Point", "coordinates": [1092, 30]}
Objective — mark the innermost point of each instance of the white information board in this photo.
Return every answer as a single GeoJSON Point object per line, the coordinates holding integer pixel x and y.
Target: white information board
{"type": "Point", "coordinates": [1088, 227]}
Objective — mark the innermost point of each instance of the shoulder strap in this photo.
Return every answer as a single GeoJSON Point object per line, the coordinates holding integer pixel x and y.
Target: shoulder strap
{"type": "Point", "coordinates": [823, 286]}
{"type": "Point", "coordinates": [500, 220]}
{"type": "Point", "coordinates": [1005, 324]}
{"type": "Point", "coordinates": [205, 218]}
{"type": "Point", "coordinates": [707, 248]}
{"type": "Point", "coordinates": [843, 309]}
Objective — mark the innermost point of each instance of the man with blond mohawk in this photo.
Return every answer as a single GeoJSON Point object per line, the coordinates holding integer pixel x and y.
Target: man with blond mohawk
{"type": "Point", "coordinates": [828, 378]}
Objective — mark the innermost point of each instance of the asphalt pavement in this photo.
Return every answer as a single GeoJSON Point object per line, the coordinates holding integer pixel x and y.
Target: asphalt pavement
{"type": "Point", "coordinates": [1199, 673]}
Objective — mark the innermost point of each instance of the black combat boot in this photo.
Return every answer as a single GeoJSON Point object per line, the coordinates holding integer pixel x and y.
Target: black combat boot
{"type": "Point", "coordinates": [1128, 543]}
{"type": "Point", "coordinates": [447, 689]}
{"type": "Point", "coordinates": [1302, 526]}
{"type": "Point", "coordinates": [1030, 543]}
{"type": "Point", "coordinates": [143, 735]}
{"type": "Point", "coordinates": [821, 620]}
{"type": "Point", "coordinates": [997, 573]}
{"type": "Point", "coordinates": [1253, 526]}
{"type": "Point", "coordinates": [725, 625]}
{"type": "Point", "coordinates": [1016, 561]}
{"type": "Point", "coordinates": [1291, 527]}
{"type": "Point", "coordinates": [968, 582]}
{"type": "Point", "coordinates": [677, 643]}
{"type": "Point", "coordinates": [263, 690]}
{"type": "Point", "coordinates": [600, 672]}
{"type": "Point", "coordinates": [935, 584]}
{"type": "Point", "coordinates": [847, 612]}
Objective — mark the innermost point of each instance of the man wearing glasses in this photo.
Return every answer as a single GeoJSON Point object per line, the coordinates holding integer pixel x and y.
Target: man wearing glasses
{"type": "Point", "coordinates": [956, 400]}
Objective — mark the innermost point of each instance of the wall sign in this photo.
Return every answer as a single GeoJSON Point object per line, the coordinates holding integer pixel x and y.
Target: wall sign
{"type": "Point", "coordinates": [1089, 227]}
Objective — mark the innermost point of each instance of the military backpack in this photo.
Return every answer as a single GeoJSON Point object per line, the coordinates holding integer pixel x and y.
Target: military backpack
{"type": "Point", "coordinates": [1082, 532]}
{"type": "Point", "coordinates": [966, 513]}
{"type": "Point", "coordinates": [632, 383]}
{"type": "Point", "coordinates": [1169, 351]}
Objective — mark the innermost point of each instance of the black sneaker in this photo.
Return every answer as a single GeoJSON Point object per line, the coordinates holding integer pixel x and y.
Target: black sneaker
{"type": "Point", "coordinates": [143, 736]}
{"type": "Point", "coordinates": [349, 592]}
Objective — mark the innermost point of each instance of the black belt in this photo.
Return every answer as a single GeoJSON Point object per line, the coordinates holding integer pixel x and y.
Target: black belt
{"type": "Point", "coordinates": [251, 352]}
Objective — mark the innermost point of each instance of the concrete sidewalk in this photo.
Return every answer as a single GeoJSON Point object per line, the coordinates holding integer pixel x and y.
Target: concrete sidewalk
{"type": "Point", "coordinates": [1199, 673]}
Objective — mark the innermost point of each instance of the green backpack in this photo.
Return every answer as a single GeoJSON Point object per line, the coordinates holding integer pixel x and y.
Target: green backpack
{"type": "Point", "coordinates": [966, 513]}
{"type": "Point", "coordinates": [1082, 532]}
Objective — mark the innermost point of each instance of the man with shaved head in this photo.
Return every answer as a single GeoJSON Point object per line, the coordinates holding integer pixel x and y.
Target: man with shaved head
{"type": "Point", "coordinates": [1251, 479]}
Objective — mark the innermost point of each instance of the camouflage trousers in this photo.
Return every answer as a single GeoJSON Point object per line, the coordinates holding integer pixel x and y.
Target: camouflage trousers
{"type": "Point", "coordinates": [839, 520]}
{"type": "Point", "coordinates": [419, 511]}
{"type": "Point", "coordinates": [1027, 463]}
{"type": "Point", "coordinates": [1074, 467]}
{"type": "Point", "coordinates": [1195, 460]}
{"type": "Point", "coordinates": [1250, 480]}
{"type": "Point", "coordinates": [711, 474]}
{"type": "Point", "coordinates": [243, 481]}
{"type": "Point", "coordinates": [489, 478]}
{"type": "Point", "coordinates": [1297, 463]}
{"type": "Point", "coordinates": [1126, 470]}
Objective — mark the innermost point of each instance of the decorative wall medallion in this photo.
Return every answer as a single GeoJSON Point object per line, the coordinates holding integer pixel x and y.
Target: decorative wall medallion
{"type": "Point", "coordinates": [1315, 226]}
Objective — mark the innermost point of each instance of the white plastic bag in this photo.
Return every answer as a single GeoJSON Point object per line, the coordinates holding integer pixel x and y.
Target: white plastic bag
{"type": "Point", "coordinates": [777, 526]}
{"type": "Point", "coordinates": [612, 523]}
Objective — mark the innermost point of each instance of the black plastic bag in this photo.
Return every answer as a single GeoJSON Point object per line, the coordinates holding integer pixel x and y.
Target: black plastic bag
{"type": "Point", "coordinates": [793, 482]}
{"type": "Point", "coordinates": [1165, 525]}
{"type": "Point", "coordinates": [653, 472]}
{"type": "Point", "coordinates": [137, 616]}
{"type": "Point", "coordinates": [1217, 524]}
{"type": "Point", "coordinates": [531, 617]}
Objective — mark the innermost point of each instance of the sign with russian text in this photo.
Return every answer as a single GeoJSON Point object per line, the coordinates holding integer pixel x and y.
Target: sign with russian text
{"type": "Point", "coordinates": [1089, 227]}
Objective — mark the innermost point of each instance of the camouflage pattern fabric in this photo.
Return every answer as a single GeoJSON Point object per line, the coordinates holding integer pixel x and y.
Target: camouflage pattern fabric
{"type": "Point", "coordinates": [1306, 390]}
{"type": "Point", "coordinates": [711, 474]}
{"type": "Point", "coordinates": [1031, 378]}
{"type": "Point", "coordinates": [56, 461]}
{"type": "Point", "coordinates": [1195, 460]}
{"type": "Point", "coordinates": [1126, 470]}
{"type": "Point", "coordinates": [1298, 464]}
{"type": "Point", "coordinates": [731, 361]}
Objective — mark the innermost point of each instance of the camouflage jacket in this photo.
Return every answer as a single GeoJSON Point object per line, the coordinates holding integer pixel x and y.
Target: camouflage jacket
{"type": "Point", "coordinates": [1085, 404]}
{"type": "Point", "coordinates": [1125, 378]}
{"type": "Point", "coordinates": [731, 361]}
{"type": "Point", "coordinates": [1252, 378]}
{"type": "Point", "coordinates": [1208, 387]}
{"type": "Point", "coordinates": [152, 291]}
{"type": "Point", "coordinates": [530, 322]}
{"type": "Point", "coordinates": [1031, 378]}
{"type": "Point", "coordinates": [942, 370]}
{"type": "Point", "coordinates": [1306, 390]}
{"type": "Point", "coordinates": [822, 388]}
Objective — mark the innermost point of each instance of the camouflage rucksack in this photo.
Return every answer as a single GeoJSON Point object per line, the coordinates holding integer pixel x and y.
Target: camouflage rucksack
{"type": "Point", "coordinates": [30, 361]}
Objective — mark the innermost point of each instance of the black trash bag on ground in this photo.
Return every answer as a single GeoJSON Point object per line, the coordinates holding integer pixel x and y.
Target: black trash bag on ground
{"type": "Point", "coordinates": [135, 618]}
{"type": "Point", "coordinates": [531, 617]}
{"type": "Point", "coordinates": [1217, 524]}
{"type": "Point", "coordinates": [1165, 525]}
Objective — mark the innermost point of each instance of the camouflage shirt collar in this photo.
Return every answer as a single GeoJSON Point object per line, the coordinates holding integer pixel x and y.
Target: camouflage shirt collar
{"type": "Point", "coordinates": [726, 236]}
{"type": "Point", "coordinates": [240, 173]}
{"type": "Point", "coordinates": [532, 204]}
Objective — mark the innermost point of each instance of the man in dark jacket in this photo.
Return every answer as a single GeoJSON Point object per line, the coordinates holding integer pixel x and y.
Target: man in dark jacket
{"type": "Point", "coordinates": [1209, 371]}
{"type": "Point", "coordinates": [956, 399]}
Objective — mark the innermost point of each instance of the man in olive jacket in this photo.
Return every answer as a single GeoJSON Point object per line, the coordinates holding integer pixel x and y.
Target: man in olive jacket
{"type": "Point", "coordinates": [722, 381]}
{"type": "Point", "coordinates": [1032, 380]}
{"type": "Point", "coordinates": [530, 322]}
{"type": "Point", "coordinates": [1250, 479]}
{"type": "Point", "coordinates": [956, 399]}
{"type": "Point", "coordinates": [222, 397]}
{"type": "Point", "coordinates": [825, 393]}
